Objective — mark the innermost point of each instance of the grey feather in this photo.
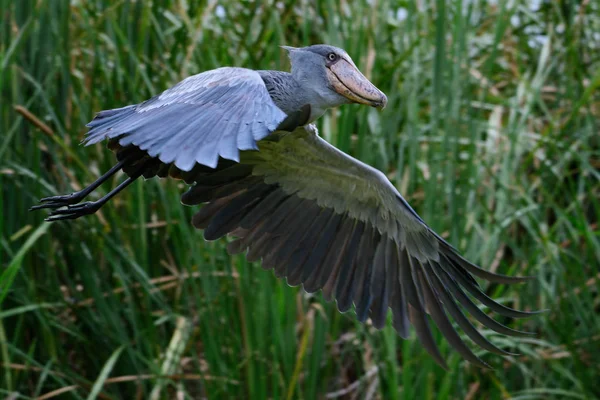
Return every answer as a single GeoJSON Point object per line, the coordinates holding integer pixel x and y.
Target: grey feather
{"type": "Point", "coordinates": [441, 320]}
{"type": "Point", "coordinates": [493, 305]}
{"type": "Point", "coordinates": [399, 302]}
{"type": "Point", "coordinates": [190, 123]}
{"type": "Point", "coordinates": [328, 267]}
{"type": "Point", "coordinates": [344, 285]}
{"type": "Point", "coordinates": [266, 207]}
{"type": "Point", "coordinates": [379, 287]}
{"type": "Point", "coordinates": [310, 275]}
{"type": "Point", "coordinates": [475, 311]}
{"type": "Point", "coordinates": [259, 246]}
{"type": "Point", "coordinates": [228, 218]}
{"type": "Point", "coordinates": [362, 284]}
{"type": "Point", "coordinates": [450, 305]}
{"type": "Point", "coordinates": [293, 231]}
{"type": "Point", "coordinates": [286, 236]}
{"type": "Point", "coordinates": [307, 244]}
{"type": "Point", "coordinates": [202, 218]}
{"type": "Point", "coordinates": [283, 210]}
{"type": "Point", "coordinates": [417, 315]}
{"type": "Point", "coordinates": [336, 256]}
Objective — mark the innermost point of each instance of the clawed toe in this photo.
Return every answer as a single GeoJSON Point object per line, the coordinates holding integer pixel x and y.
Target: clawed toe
{"type": "Point", "coordinates": [57, 201]}
{"type": "Point", "coordinates": [53, 218]}
{"type": "Point", "coordinates": [74, 211]}
{"type": "Point", "coordinates": [47, 205]}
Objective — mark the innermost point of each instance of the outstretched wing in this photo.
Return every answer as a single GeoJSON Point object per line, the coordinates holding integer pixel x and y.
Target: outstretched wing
{"type": "Point", "coordinates": [215, 113]}
{"type": "Point", "coordinates": [322, 219]}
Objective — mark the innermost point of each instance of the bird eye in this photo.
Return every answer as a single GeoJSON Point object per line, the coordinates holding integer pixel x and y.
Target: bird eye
{"type": "Point", "coordinates": [332, 56]}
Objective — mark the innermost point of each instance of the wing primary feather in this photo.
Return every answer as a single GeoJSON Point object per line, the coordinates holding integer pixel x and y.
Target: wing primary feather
{"type": "Point", "coordinates": [286, 236]}
{"type": "Point", "coordinates": [308, 243]}
{"type": "Point", "coordinates": [363, 259]}
{"type": "Point", "coordinates": [421, 325]}
{"type": "Point", "coordinates": [266, 262]}
{"type": "Point", "coordinates": [336, 256]}
{"type": "Point", "coordinates": [286, 208]}
{"type": "Point", "coordinates": [270, 254]}
{"type": "Point", "coordinates": [314, 262]}
{"type": "Point", "coordinates": [293, 230]}
{"type": "Point", "coordinates": [228, 218]}
{"type": "Point", "coordinates": [237, 246]}
{"type": "Point", "coordinates": [407, 281]}
{"type": "Point", "coordinates": [478, 271]}
{"type": "Point", "coordinates": [344, 285]}
{"type": "Point", "coordinates": [249, 237]}
{"type": "Point", "coordinates": [363, 296]}
{"type": "Point", "coordinates": [475, 311]}
{"type": "Point", "coordinates": [379, 286]}
{"type": "Point", "coordinates": [462, 321]}
{"type": "Point", "coordinates": [391, 268]}
{"type": "Point", "coordinates": [265, 207]}
{"type": "Point", "coordinates": [417, 315]}
{"type": "Point", "coordinates": [326, 274]}
{"type": "Point", "coordinates": [400, 320]}
{"type": "Point", "coordinates": [259, 247]}
{"type": "Point", "coordinates": [442, 321]}
{"type": "Point", "coordinates": [492, 304]}
{"type": "Point", "coordinates": [271, 240]}
{"type": "Point", "coordinates": [201, 219]}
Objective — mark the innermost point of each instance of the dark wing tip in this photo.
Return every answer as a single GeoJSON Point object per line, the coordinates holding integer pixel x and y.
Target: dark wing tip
{"type": "Point", "coordinates": [449, 251]}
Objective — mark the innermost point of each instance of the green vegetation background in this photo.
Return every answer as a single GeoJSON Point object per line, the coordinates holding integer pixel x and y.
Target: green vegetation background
{"type": "Point", "coordinates": [491, 132]}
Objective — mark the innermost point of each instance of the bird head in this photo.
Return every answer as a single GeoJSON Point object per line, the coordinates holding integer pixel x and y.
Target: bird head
{"type": "Point", "coordinates": [330, 72]}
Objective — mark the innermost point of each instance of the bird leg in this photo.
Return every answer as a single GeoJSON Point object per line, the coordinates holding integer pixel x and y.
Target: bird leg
{"type": "Point", "coordinates": [76, 197]}
{"type": "Point", "coordinates": [90, 207]}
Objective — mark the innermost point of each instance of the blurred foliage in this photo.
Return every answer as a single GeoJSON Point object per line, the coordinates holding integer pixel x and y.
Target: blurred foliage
{"type": "Point", "coordinates": [491, 133]}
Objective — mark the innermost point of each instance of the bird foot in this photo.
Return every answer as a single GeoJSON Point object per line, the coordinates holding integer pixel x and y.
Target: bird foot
{"type": "Point", "coordinates": [58, 201]}
{"type": "Point", "coordinates": [74, 211]}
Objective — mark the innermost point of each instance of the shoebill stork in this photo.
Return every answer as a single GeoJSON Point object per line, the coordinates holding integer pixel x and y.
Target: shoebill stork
{"type": "Point", "coordinates": [244, 140]}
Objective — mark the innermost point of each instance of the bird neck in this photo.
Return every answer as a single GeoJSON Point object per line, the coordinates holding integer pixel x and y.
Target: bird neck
{"type": "Point", "coordinates": [291, 91]}
{"type": "Point", "coordinates": [314, 91]}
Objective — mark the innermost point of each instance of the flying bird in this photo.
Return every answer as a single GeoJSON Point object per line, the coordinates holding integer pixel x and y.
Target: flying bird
{"type": "Point", "coordinates": [245, 142]}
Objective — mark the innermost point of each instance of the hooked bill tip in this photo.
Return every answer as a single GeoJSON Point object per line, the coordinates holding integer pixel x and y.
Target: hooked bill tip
{"type": "Point", "coordinates": [381, 104]}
